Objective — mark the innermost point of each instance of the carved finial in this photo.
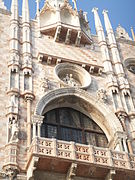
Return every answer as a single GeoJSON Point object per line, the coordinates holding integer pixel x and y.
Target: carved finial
{"type": "Point", "coordinates": [85, 16]}
{"type": "Point", "coordinates": [105, 11]}
{"type": "Point", "coordinates": [94, 9]}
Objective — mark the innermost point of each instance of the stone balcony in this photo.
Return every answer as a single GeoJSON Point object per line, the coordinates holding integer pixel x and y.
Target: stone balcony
{"type": "Point", "coordinates": [91, 161]}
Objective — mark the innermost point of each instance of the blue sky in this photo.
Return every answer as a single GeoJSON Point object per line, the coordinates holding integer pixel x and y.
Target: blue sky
{"type": "Point", "coordinates": [120, 11]}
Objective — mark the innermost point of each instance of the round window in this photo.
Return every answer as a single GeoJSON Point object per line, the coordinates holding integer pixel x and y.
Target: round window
{"type": "Point", "coordinates": [130, 64]}
{"type": "Point", "coordinates": [72, 75]}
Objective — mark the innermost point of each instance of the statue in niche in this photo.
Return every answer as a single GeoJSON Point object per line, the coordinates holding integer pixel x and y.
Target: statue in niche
{"type": "Point", "coordinates": [70, 80]}
{"type": "Point", "coordinates": [101, 95]}
{"type": "Point", "coordinates": [14, 129]}
{"type": "Point", "coordinates": [13, 105]}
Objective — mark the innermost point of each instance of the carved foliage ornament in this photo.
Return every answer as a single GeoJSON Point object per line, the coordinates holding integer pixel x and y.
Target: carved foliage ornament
{"type": "Point", "coordinates": [102, 95]}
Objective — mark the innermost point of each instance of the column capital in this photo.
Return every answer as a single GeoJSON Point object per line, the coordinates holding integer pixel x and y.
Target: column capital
{"type": "Point", "coordinates": [37, 119]}
{"type": "Point", "coordinates": [29, 96]}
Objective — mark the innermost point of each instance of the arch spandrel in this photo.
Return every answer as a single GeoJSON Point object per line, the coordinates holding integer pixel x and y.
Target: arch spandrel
{"type": "Point", "coordinates": [98, 111]}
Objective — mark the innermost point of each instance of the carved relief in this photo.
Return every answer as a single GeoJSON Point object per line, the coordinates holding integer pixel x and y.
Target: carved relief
{"type": "Point", "coordinates": [72, 75]}
{"type": "Point", "coordinates": [14, 59]}
{"type": "Point", "coordinates": [71, 81]}
{"type": "Point", "coordinates": [102, 95]}
{"type": "Point", "coordinates": [27, 61]}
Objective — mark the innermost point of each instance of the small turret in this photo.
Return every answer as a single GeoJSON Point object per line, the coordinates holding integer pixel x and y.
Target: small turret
{"type": "Point", "coordinates": [121, 33]}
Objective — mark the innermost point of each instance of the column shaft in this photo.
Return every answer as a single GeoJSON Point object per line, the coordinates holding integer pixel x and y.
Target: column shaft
{"type": "Point", "coordinates": [28, 122]}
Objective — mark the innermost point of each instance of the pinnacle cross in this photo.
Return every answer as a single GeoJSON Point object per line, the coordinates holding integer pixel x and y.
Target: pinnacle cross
{"type": "Point", "coordinates": [75, 6]}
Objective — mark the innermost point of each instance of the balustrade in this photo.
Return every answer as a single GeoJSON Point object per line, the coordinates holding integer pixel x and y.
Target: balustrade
{"type": "Point", "coordinates": [82, 153]}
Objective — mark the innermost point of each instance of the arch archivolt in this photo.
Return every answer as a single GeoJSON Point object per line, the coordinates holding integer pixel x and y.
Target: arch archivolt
{"type": "Point", "coordinates": [84, 102]}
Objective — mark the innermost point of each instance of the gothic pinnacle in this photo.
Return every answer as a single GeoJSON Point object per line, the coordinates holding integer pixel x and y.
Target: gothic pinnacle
{"type": "Point", "coordinates": [97, 19]}
{"type": "Point", "coordinates": [14, 10]}
{"type": "Point", "coordinates": [107, 21]}
{"type": "Point", "coordinates": [25, 11]}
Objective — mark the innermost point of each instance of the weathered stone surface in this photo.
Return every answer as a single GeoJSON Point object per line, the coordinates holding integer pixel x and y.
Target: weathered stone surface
{"type": "Point", "coordinates": [38, 90]}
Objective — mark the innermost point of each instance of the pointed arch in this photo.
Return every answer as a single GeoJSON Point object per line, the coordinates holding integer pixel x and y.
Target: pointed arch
{"type": "Point", "coordinates": [84, 102]}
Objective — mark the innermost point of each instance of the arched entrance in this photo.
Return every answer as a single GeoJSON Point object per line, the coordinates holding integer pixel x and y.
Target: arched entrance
{"type": "Point", "coordinates": [85, 103]}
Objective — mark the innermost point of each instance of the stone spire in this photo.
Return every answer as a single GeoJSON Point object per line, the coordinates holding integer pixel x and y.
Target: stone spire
{"type": "Point", "coordinates": [2, 6]}
{"type": "Point", "coordinates": [98, 25]}
{"type": "Point", "coordinates": [14, 27]}
{"type": "Point", "coordinates": [102, 42]}
{"type": "Point", "coordinates": [26, 28]}
{"type": "Point", "coordinates": [14, 10]}
{"type": "Point", "coordinates": [113, 44]}
{"type": "Point", "coordinates": [25, 12]}
{"type": "Point", "coordinates": [122, 80]}
{"type": "Point", "coordinates": [108, 27]}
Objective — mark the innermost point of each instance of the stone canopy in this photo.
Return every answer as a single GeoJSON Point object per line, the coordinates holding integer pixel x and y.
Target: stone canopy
{"type": "Point", "coordinates": [59, 19]}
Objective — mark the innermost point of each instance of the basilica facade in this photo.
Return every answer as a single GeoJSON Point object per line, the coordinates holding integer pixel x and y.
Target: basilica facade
{"type": "Point", "coordinates": [67, 97]}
